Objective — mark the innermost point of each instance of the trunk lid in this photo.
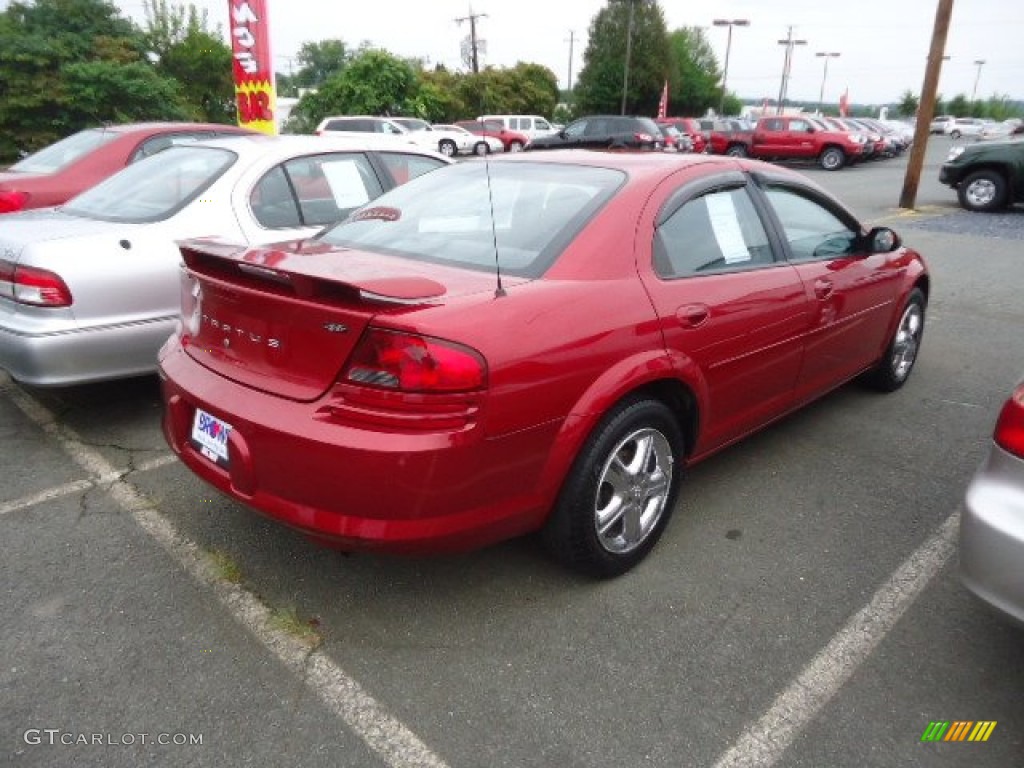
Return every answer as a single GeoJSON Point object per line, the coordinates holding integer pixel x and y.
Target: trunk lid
{"type": "Point", "coordinates": [285, 319]}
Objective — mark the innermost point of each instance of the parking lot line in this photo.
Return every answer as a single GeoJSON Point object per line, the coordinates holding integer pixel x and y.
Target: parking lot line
{"type": "Point", "coordinates": [763, 743]}
{"type": "Point", "coordinates": [83, 485]}
{"type": "Point", "coordinates": [43, 496]}
{"type": "Point", "coordinates": [393, 742]}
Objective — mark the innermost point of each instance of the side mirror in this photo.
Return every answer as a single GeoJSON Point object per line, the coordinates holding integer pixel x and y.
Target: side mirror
{"type": "Point", "coordinates": [883, 240]}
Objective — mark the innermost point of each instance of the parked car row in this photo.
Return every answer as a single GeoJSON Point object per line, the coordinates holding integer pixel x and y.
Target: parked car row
{"type": "Point", "coordinates": [831, 142]}
{"type": "Point", "coordinates": [476, 137]}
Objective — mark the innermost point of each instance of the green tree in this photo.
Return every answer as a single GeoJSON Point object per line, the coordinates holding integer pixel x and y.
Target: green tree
{"type": "Point", "coordinates": [48, 51]}
{"type": "Point", "coordinates": [909, 104]}
{"type": "Point", "coordinates": [318, 62]}
{"type": "Point", "coordinates": [189, 52]}
{"type": "Point", "coordinates": [694, 75]}
{"type": "Point", "coordinates": [599, 87]}
{"type": "Point", "coordinates": [959, 105]}
{"type": "Point", "coordinates": [374, 82]}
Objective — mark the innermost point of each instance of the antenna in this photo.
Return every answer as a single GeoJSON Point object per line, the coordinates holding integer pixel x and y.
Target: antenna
{"type": "Point", "coordinates": [499, 291]}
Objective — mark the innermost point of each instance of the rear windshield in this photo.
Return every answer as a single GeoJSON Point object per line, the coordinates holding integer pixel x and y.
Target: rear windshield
{"type": "Point", "coordinates": [66, 151]}
{"type": "Point", "coordinates": [154, 188]}
{"type": "Point", "coordinates": [446, 216]}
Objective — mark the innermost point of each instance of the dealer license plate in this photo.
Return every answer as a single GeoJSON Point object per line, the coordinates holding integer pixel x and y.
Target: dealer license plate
{"type": "Point", "coordinates": [210, 437]}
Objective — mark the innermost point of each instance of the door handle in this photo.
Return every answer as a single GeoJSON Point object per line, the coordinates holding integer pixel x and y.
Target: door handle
{"type": "Point", "coordinates": [823, 288]}
{"type": "Point", "coordinates": [693, 315]}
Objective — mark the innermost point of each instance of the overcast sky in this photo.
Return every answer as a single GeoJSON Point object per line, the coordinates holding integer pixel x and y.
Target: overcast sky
{"type": "Point", "coordinates": [883, 43]}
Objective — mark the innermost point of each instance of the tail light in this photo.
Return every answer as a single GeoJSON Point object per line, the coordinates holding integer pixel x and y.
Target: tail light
{"type": "Point", "coordinates": [12, 200]}
{"type": "Point", "coordinates": [1009, 433]}
{"type": "Point", "coordinates": [405, 362]}
{"type": "Point", "coordinates": [29, 285]}
{"type": "Point", "coordinates": [645, 138]}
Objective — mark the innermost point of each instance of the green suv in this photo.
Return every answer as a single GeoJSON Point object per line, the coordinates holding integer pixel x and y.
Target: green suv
{"type": "Point", "coordinates": [986, 176]}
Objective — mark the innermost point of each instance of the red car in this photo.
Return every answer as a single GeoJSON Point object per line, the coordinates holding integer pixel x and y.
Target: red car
{"type": "Point", "coordinates": [513, 140]}
{"type": "Point", "coordinates": [542, 343]}
{"type": "Point", "coordinates": [56, 173]}
{"type": "Point", "coordinates": [689, 127]}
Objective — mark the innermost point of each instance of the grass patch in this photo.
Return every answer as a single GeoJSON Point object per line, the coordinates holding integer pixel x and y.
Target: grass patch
{"type": "Point", "coordinates": [225, 567]}
{"type": "Point", "coordinates": [287, 620]}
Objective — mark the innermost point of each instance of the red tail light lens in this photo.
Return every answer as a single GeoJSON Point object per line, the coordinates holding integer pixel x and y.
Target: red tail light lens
{"type": "Point", "coordinates": [410, 363]}
{"type": "Point", "coordinates": [1009, 434]}
{"type": "Point", "coordinates": [29, 285]}
{"type": "Point", "coordinates": [643, 137]}
{"type": "Point", "coordinates": [12, 200]}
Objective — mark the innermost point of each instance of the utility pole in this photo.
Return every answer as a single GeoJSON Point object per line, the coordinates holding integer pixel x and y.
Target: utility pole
{"type": "Point", "coordinates": [471, 18]}
{"type": "Point", "coordinates": [572, 38]}
{"type": "Point", "coordinates": [925, 112]}
{"type": "Point", "coordinates": [629, 50]}
{"type": "Point", "coordinates": [789, 42]}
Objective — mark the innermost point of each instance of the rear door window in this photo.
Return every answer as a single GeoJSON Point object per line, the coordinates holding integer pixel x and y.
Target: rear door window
{"type": "Point", "coordinates": [314, 190]}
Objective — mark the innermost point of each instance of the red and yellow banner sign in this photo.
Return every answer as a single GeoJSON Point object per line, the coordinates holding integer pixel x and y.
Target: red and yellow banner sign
{"type": "Point", "coordinates": [255, 96]}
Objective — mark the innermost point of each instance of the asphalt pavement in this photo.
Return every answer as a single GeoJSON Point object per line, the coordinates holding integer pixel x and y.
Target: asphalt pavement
{"type": "Point", "coordinates": [802, 609]}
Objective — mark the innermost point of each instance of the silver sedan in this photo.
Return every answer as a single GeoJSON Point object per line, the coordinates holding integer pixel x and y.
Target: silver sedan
{"type": "Point", "coordinates": [992, 525]}
{"type": "Point", "coordinates": [90, 290]}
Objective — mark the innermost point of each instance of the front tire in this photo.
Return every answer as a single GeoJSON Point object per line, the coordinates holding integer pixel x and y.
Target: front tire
{"type": "Point", "coordinates": [619, 495]}
{"type": "Point", "coordinates": [894, 368]}
{"type": "Point", "coordinates": [832, 159]}
{"type": "Point", "coordinates": [955, 134]}
{"type": "Point", "coordinates": [447, 147]}
{"type": "Point", "coordinates": [983, 191]}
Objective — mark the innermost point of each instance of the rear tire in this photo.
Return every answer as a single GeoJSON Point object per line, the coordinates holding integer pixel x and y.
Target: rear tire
{"type": "Point", "coordinates": [736, 150]}
{"type": "Point", "coordinates": [515, 146]}
{"type": "Point", "coordinates": [619, 495]}
{"type": "Point", "coordinates": [447, 148]}
{"type": "Point", "coordinates": [894, 368]}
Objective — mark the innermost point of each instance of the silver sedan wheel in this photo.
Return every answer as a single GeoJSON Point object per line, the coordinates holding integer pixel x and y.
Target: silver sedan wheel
{"type": "Point", "coordinates": [632, 490]}
{"type": "Point", "coordinates": [981, 193]}
{"type": "Point", "coordinates": [907, 341]}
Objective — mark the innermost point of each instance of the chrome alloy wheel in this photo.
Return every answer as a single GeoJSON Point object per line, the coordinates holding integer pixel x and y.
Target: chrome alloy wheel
{"type": "Point", "coordinates": [981, 192]}
{"type": "Point", "coordinates": [632, 490]}
{"type": "Point", "coordinates": [907, 341]}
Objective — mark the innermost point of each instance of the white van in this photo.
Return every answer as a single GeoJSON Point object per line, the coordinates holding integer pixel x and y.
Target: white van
{"type": "Point", "coordinates": [530, 125]}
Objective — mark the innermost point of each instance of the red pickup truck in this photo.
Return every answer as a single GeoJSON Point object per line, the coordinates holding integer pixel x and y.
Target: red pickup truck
{"type": "Point", "coordinates": [798, 137]}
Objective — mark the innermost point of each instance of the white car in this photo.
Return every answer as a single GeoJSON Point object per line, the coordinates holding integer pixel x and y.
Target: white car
{"type": "Point", "coordinates": [964, 126]}
{"type": "Point", "coordinates": [91, 289]}
{"type": "Point", "coordinates": [448, 143]}
{"type": "Point", "coordinates": [482, 145]}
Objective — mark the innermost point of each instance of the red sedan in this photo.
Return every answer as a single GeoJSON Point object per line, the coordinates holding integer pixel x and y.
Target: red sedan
{"type": "Point", "coordinates": [458, 363]}
{"type": "Point", "coordinates": [56, 173]}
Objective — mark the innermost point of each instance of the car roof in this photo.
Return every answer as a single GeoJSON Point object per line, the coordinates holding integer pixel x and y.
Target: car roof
{"type": "Point", "coordinates": [168, 127]}
{"type": "Point", "coordinates": [247, 145]}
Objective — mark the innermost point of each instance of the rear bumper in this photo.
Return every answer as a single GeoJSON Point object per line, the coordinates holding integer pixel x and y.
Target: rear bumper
{"type": "Point", "coordinates": [358, 487]}
{"type": "Point", "coordinates": [81, 355]}
{"type": "Point", "coordinates": [992, 534]}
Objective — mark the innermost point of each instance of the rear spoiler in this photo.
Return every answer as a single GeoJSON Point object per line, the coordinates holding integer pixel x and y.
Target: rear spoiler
{"type": "Point", "coordinates": [286, 268]}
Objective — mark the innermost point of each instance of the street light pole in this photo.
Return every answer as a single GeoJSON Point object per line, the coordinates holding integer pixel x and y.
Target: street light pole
{"type": "Point", "coordinates": [979, 63]}
{"type": "Point", "coordinates": [789, 42]}
{"type": "Point", "coordinates": [728, 47]}
{"type": "Point", "coordinates": [821, 96]}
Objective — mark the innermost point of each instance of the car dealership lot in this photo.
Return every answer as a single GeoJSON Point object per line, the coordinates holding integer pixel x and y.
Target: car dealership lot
{"type": "Point", "coordinates": [805, 594]}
